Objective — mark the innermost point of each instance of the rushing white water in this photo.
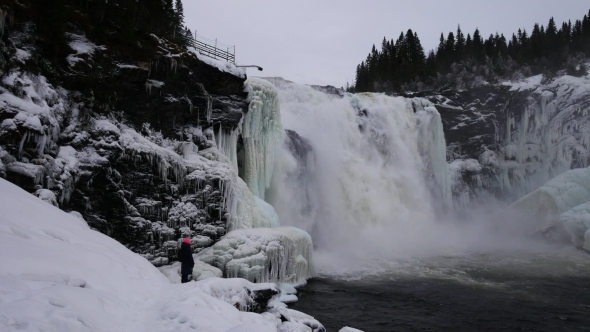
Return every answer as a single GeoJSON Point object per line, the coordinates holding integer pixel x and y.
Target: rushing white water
{"type": "Point", "coordinates": [376, 179]}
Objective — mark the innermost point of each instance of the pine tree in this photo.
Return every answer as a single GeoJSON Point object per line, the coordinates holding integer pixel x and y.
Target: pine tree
{"type": "Point", "coordinates": [459, 45]}
{"type": "Point", "coordinates": [478, 47]}
{"type": "Point", "coordinates": [179, 11]}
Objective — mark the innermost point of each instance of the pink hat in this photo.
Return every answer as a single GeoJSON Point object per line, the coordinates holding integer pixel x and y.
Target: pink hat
{"type": "Point", "coordinates": [186, 240]}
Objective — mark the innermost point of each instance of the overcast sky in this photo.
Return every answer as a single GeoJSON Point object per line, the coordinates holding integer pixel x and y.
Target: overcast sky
{"type": "Point", "coordinates": [322, 41]}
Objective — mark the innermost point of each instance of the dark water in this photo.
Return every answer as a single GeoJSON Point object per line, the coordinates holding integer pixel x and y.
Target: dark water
{"type": "Point", "coordinates": [476, 293]}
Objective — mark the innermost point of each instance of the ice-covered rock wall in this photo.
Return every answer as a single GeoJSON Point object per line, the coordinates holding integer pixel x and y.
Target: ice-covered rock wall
{"type": "Point", "coordinates": [507, 140]}
{"type": "Point", "coordinates": [151, 166]}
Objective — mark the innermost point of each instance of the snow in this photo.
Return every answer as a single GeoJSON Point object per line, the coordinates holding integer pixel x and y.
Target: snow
{"type": "Point", "coordinates": [59, 275]}
{"type": "Point", "coordinates": [281, 254]}
{"type": "Point", "coordinates": [47, 196]}
{"type": "Point", "coordinates": [31, 171]}
{"type": "Point", "coordinates": [527, 84]}
{"type": "Point", "coordinates": [82, 46]}
{"type": "Point", "coordinates": [105, 127]}
{"type": "Point", "coordinates": [201, 271]}
{"type": "Point", "coordinates": [22, 55]}
{"type": "Point", "coordinates": [224, 66]}
{"type": "Point", "coordinates": [287, 293]}
{"type": "Point", "coordinates": [349, 329]}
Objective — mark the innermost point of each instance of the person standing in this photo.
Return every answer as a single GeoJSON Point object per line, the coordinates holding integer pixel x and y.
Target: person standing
{"type": "Point", "coordinates": [185, 256]}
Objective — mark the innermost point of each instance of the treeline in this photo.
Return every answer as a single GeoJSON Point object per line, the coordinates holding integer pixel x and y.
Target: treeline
{"type": "Point", "coordinates": [123, 24]}
{"type": "Point", "coordinates": [461, 60]}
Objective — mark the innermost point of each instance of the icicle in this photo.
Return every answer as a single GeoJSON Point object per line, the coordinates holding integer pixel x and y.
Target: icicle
{"type": "Point", "coordinates": [22, 142]}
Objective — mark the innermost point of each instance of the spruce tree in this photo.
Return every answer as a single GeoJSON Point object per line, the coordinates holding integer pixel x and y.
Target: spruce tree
{"type": "Point", "coordinates": [459, 44]}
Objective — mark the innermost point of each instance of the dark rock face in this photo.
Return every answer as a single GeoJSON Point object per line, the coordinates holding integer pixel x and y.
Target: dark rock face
{"type": "Point", "coordinates": [262, 297]}
{"type": "Point", "coordinates": [122, 168]}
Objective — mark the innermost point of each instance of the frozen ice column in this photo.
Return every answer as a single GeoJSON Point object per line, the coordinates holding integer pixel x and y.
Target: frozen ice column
{"type": "Point", "coordinates": [262, 133]}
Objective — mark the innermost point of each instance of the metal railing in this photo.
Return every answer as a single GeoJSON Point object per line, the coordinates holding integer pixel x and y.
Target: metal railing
{"type": "Point", "coordinates": [213, 48]}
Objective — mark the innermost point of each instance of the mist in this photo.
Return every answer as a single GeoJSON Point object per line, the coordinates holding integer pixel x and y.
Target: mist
{"type": "Point", "coordinates": [362, 176]}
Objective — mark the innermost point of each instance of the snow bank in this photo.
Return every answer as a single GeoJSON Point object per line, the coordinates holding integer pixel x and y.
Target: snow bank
{"type": "Point", "coordinates": [201, 271]}
{"type": "Point", "coordinates": [224, 66]}
{"type": "Point", "coordinates": [282, 254]}
{"type": "Point", "coordinates": [56, 274]}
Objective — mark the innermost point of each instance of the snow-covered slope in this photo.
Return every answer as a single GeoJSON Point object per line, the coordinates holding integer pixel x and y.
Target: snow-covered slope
{"type": "Point", "coordinates": [56, 274]}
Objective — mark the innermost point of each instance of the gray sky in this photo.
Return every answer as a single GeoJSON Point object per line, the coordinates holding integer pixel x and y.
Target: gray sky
{"type": "Point", "coordinates": [322, 41]}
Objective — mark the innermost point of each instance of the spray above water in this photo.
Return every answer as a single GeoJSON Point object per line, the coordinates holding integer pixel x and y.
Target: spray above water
{"type": "Point", "coordinates": [366, 176]}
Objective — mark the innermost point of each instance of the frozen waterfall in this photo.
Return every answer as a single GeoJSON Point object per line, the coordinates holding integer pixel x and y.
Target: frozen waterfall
{"type": "Point", "coordinates": [262, 133]}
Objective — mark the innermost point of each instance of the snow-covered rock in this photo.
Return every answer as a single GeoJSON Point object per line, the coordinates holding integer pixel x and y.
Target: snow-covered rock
{"type": "Point", "coordinates": [288, 293]}
{"type": "Point", "coordinates": [47, 196]}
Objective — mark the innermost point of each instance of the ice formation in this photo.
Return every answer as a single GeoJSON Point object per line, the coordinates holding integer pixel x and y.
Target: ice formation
{"type": "Point", "coordinates": [544, 131]}
{"type": "Point", "coordinates": [280, 254]}
{"type": "Point", "coordinates": [557, 196]}
{"type": "Point", "coordinates": [262, 133]}
{"type": "Point", "coordinates": [577, 224]}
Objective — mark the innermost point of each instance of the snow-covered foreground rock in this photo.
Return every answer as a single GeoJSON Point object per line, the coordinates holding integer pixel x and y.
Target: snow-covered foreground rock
{"type": "Point", "coordinates": [56, 274]}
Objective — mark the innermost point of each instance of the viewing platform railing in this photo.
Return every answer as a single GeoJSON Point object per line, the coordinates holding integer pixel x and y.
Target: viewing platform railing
{"type": "Point", "coordinates": [213, 48]}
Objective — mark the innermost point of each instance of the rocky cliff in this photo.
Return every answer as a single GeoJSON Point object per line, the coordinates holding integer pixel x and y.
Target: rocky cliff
{"type": "Point", "coordinates": [125, 138]}
{"type": "Point", "coordinates": [506, 140]}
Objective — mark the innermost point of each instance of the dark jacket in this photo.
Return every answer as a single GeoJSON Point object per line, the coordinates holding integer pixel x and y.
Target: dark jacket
{"type": "Point", "coordinates": [185, 256]}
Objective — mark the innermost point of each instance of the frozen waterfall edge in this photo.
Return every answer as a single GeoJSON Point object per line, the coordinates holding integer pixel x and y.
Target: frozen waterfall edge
{"type": "Point", "coordinates": [257, 248]}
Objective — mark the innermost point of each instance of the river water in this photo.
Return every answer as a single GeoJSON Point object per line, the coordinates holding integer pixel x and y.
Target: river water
{"type": "Point", "coordinates": [501, 291]}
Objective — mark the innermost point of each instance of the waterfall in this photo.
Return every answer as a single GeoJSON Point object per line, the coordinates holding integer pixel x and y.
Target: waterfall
{"type": "Point", "coordinates": [377, 174]}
